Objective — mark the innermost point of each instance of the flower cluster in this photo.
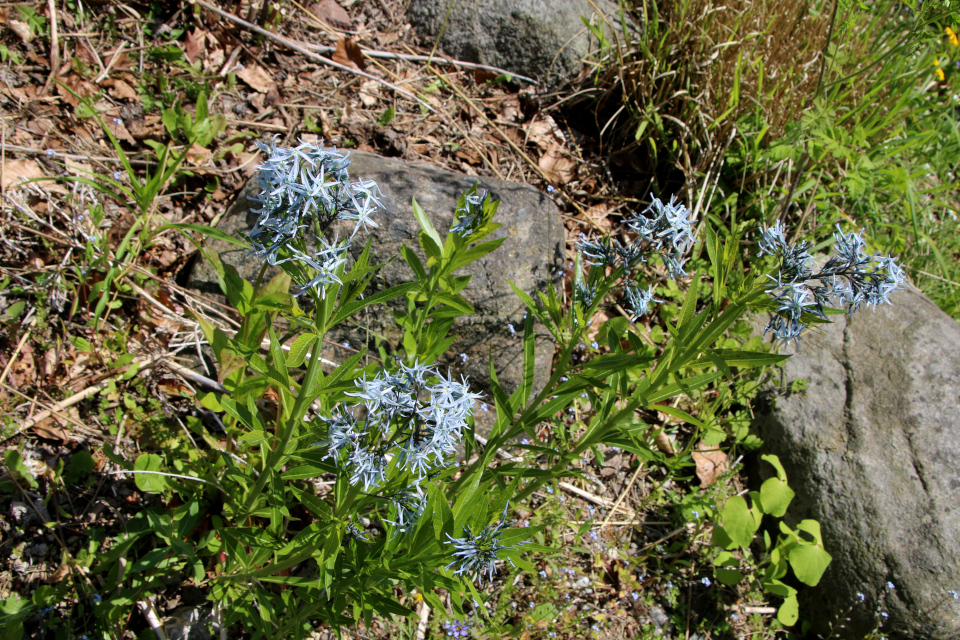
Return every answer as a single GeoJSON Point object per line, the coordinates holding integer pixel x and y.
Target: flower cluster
{"type": "Point", "coordinates": [414, 414]}
{"type": "Point", "coordinates": [307, 188]}
{"type": "Point", "coordinates": [664, 229]}
{"type": "Point", "coordinates": [456, 629]}
{"type": "Point", "coordinates": [469, 214]}
{"type": "Point", "coordinates": [848, 279]}
{"type": "Point", "coordinates": [477, 553]}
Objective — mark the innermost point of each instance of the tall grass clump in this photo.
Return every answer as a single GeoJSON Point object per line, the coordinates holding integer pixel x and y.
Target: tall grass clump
{"type": "Point", "coordinates": [811, 113]}
{"type": "Point", "coordinates": [670, 95]}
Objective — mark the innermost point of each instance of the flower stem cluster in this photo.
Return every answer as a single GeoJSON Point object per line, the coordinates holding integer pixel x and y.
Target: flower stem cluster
{"type": "Point", "coordinates": [847, 279]}
{"type": "Point", "coordinates": [478, 553]}
{"type": "Point", "coordinates": [663, 229]}
{"type": "Point", "coordinates": [414, 415]}
{"type": "Point", "coordinates": [307, 188]}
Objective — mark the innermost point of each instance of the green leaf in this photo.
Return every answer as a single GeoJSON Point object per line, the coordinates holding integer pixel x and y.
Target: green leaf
{"type": "Point", "coordinates": [616, 362]}
{"type": "Point", "coordinates": [789, 612]}
{"type": "Point", "coordinates": [738, 522]}
{"type": "Point", "coordinates": [411, 258]}
{"type": "Point", "coordinates": [80, 466]}
{"type": "Point", "coordinates": [254, 438]}
{"type": "Point", "coordinates": [744, 359]}
{"type": "Point", "coordinates": [299, 348]}
{"type": "Point", "coordinates": [775, 497]}
{"type": "Point", "coordinates": [348, 310]}
{"type": "Point", "coordinates": [149, 482]}
{"type": "Point", "coordinates": [775, 462]}
{"type": "Point", "coordinates": [475, 253]}
{"type": "Point", "coordinates": [212, 232]}
{"type": "Point", "coordinates": [435, 250]}
{"type": "Point", "coordinates": [14, 462]}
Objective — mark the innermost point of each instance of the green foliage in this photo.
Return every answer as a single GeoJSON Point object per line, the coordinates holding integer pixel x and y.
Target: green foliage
{"type": "Point", "coordinates": [200, 128]}
{"type": "Point", "coordinates": [801, 550]}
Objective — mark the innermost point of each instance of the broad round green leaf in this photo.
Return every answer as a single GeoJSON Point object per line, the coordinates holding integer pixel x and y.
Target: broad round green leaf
{"type": "Point", "coordinates": [149, 482]}
{"type": "Point", "coordinates": [809, 562]}
{"type": "Point", "coordinates": [775, 497]}
{"type": "Point", "coordinates": [789, 612]}
{"type": "Point", "coordinates": [738, 522]}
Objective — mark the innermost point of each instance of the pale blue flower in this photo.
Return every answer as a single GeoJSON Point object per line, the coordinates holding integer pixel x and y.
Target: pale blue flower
{"type": "Point", "coordinates": [478, 553]}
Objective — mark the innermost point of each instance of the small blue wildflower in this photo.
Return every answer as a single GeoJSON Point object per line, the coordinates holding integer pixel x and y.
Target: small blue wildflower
{"type": "Point", "coordinates": [510, 327]}
{"type": "Point", "coordinates": [457, 629]}
{"type": "Point", "coordinates": [884, 614]}
{"type": "Point", "coordinates": [706, 581]}
{"type": "Point", "coordinates": [890, 585]}
{"type": "Point", "coordinates": [954, 594]}
{"type": "Point", "coordinates": [117, 175]}
{"type": "Point", "coordinates": [531, 605]}
{"type": "Point", "coordinates": [477, 553]}
{"type": "Point", "coordinates": [483, 407]}
{"type": "Point", "coordinates": [543, 574]}
{"type": "Point", "coordinates": [695, 514]}
{"type": "Point", "coordinates": [51, 152]}
{"type": "Point", "coordinates": [346, 345]}
{"type": "Point", "coordinates": [563, 378]}
{"type": "Point", "coordinates": [550, 188]}
{"type": "Point", "coordinates": [549, 489]}
{"type": "Point", "coordinates": [634, 595]}
{"type": "Point", "coordinates": [595, 345]}
{"type": "Point", "coordinates": [97, 598]}
{"type": "Point", "coordinates": [463, 358]}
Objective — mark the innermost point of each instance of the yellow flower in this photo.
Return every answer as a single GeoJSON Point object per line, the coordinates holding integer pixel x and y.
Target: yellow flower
{"type": "Point", "coordinates": [952, 36]}
{"type": "Point", "coordinates": [939, 74]}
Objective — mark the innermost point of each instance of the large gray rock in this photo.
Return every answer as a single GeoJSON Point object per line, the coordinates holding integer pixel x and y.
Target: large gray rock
{"type": "Point", "coordinates": [530, 257]}
{"type": "Point", "coordinates": [544, 39]}
{"type": "Point", "coordinates": [872, 448]}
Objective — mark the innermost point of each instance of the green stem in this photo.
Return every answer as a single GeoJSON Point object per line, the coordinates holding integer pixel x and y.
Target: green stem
{"type": "Point", "coordinates": [299, 408]}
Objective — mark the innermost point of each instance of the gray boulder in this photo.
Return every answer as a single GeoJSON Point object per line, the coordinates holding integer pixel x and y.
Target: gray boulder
{"type": "Point", "coordinates": [543, 39]}
{"type": "Point", "coordinates": [530, 257]}
{"type": "Point", "coordinates": [872, 448]}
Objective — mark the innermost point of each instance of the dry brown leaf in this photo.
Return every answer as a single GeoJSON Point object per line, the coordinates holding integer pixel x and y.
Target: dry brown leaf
{"type": "Point", "coordinates": [22, 29]}
{"type": "Point", "coordinates": [557, 165]}
{"type": "Point", "coordinates": [599, 213]}
{"type": "Point", "coordinates": [193, 46]}
{"type": "Point", "coordinates": [197, 155]}
{"type": "Point", "coordinates": [332, 13]}
{"type": "Point", "coordinates": [123, 91]}
{"type": "Point", "coordinates": [369, 91]}
{"type": "Point", "coordinates": [256, 77]}
{"type": "Point", "coordinates": [663, 442]}
{"type": "Point", "coordinates": [52, 428]}
{"type": "Point", "coordinates": [348, 53]}
{"type": "Point", "coordinates": [119, 129]}
{"type": "Point", "coordinates": [17, 171]}
{"type": "Point", "coordinates": [711, 463]}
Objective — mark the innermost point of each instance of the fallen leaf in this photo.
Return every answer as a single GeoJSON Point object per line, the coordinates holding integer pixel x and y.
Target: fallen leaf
{"type": "Point", "coordinates": [256, 77]}
{"type": "Point", "coordinates": [22, 29]}
{"type": "Point", "coordinates": [332, 13]}
{"type": "Point", "coordinates": [17, 171]}
{"type": "Point", "coordinates": [711, 463]}
{"type": "Point", "coordinates": [197, 155]}
{"type": "Point", "coordinates": [52, 428]}
{"type": "Point", "coordinates": [599, 213]}
{"type": "Point", "coordinates": [119, 129]}
{"type": "Point", "coordinates": [368, 93]}
{"type": "Point", "coordinates": [348, 53]}
{"type": "Point", "coordinates": [193, 44]}
{"type": "Point", "coordinates": [557, 165]}
{"type": "Point", "coordinates": [123, 91]}
{"type": "Point", "coordinates": [663, 441]}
